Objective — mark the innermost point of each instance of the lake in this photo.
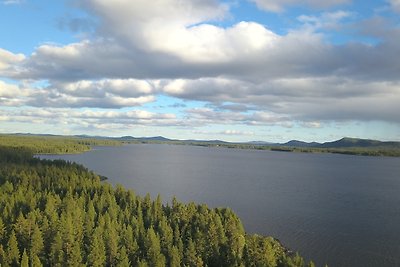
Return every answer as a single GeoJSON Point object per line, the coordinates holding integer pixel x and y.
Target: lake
{"type": "Point", "coordinates": [337, 209]}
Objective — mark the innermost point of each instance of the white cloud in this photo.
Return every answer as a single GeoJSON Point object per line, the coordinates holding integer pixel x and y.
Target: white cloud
{"type": "Point", "coordinates": [88, 118]}
{"type": "Point", "coordinates": [171, 47]}
{"type": "Point", "coordinates": [327, 20]}
{"type": "Point", "coordinates": [7, 62]}
{"type": "Point", "coordinates": [178, 28]}
{"type": "Point", "coordinates": [280, 5]}
{"type": "Point", "coordinates": [304, 99]}
{"type": "Point", "coordinates": [107, 93]}
{"type": "Point", "coordinates": [129, 88]}
{"type": "Point", "coordinates": [208, 43]}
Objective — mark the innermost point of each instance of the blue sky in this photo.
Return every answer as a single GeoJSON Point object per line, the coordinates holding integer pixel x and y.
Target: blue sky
{"type": "Point", "coordinates": [201, 69]}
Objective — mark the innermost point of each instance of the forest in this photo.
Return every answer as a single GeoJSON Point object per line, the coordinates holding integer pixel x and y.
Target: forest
{"type": "Point", "coordinates": [53, 144]}
{"type": "Point", "coordinates": [57, 213]}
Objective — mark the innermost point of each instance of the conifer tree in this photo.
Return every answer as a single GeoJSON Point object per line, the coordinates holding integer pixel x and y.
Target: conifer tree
{"type": "Point", "coordinates": [174, 257]}
{"type": "Point", "coordinates": [13, 251]}
{"type": "Point", "coordinates": [191, 259]}
{"type": "Point", "coordinates": [2, 230]}
{"type": "Point", "coordinates": [2, 256]}
{"type": "Point", "coordinates": [97, 254]}
{"type": "Point", "coordinates": [142, 263]}
{"type": "Point", "coordinates": [71, 246]}
{"type": "Point", "coordinates": [36, 246]}
{"type": "Point", "coordinates": [24, 259]}
{"type": "Point", "coordinates": [111, 238]}
{"type": "Point", "coordinates": [129, 242]}
{"type": "Point", "coordinates": [56, 251]}
{"type": "Point", "coordinates": [36, 261]}
{"type": "Point", "coordinates": [153, 250]}
{"type": "Point", "coordinates": [123, 259]}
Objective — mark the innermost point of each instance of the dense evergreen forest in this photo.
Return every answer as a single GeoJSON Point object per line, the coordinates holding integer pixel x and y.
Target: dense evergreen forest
{"type": "Point", "coordinates": [53, 144]}
{"type": "Point", "coordinates": [55, 213]}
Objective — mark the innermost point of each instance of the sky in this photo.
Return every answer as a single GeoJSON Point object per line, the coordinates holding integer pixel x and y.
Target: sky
{"type": "Point", "coordinates": [265, 70]}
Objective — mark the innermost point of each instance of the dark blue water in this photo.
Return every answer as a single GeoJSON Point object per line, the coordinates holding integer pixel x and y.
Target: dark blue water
{"type": "Point", "coordinates": [337, 209]}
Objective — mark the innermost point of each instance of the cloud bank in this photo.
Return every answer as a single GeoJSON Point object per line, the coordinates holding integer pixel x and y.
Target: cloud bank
{"type": "Point", "coordinates": [245, 72]}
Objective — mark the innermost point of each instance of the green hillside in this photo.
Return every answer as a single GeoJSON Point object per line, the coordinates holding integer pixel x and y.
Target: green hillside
{"type": "Point", "coordinates": [40, 144]}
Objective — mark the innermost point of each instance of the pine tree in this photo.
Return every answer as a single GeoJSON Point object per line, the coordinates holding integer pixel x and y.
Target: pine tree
{"type": "Point", "coordinates": [2, 230]}
{"type": "Point", "coordinates": [112, 241]}
{"type": "Point", "coordinates": [25, 259]}
{"type": "Point", "coordinates": [13, 251]}
{"type": "Point", "coordinates": [3, 257]}
{"type": "Point", "coordinates": [123, 259]}
{"type": "Point", "coordinates": [153, 250]}
{"type": "Point", "coordinates": [97, 254]}
{"type": "Point", "coordinates": [142, 263]}
{"type": "Point", "coordinates": [129, 242]}
{"type": "Point", "coordinates": [36, 261]}
{"type": "Point", "coordinates": [36, 246]}
{"type": "Point", "coordinates": [56, 251]}
{"type": "Point", "coordinates": [191, 259]}
{"type": "Point", "coordinates": [174, 257]}
{"type": "Point", "coordinates": [71, 244]}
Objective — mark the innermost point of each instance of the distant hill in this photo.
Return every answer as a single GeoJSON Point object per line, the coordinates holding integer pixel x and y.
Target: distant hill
{"type": "Point", "coordinates": [296, 143]}
{"type": "Point", "coordinates": [205, 141]}
{"type": "Point", "coordinates": [357, 142]}
{"type": "Point", "coordinates": [153, 138]}
{"type": "Point", "coordinates": [260, 143]}
{"type": "Point", "coordinates": [343, 143]}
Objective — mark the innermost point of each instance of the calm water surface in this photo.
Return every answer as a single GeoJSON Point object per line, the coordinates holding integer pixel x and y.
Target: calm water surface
{"type": "Point", "coordinates": [336, 209]}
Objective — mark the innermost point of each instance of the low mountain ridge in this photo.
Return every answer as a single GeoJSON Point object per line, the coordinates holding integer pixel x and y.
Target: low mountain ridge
{"type": "Point", "coordinates": [345, 142]}
{"type": "Point", "coordinates": [357, 142]}
{"type": "Point", "coordinates": [297, 143]}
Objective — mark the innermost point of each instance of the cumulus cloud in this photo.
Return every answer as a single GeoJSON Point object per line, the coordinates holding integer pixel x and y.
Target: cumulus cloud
{"type": "Point", "coordinates": [170, 26]}
{"type": "Point", "coordinates": [129, 88]}
{"type": "Point", "coordinates": [192, 118]}
{"type": "Point", "coordinates": [171, 39]}
{"type": "Point", "coordinates": [297, 98]}
{"type": "Point", "coordinates": [12, 95]}
{"type": "Point", "coordinates": [246, 73]}
{"type": "Point", "coordinates": [280, 5]}
{"type": "Point", "coordinates": [8, 61]}
{"type": "Point", "coordinates": [106, 93]}
{"type": "Point", "coordinates": [88, 118]}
